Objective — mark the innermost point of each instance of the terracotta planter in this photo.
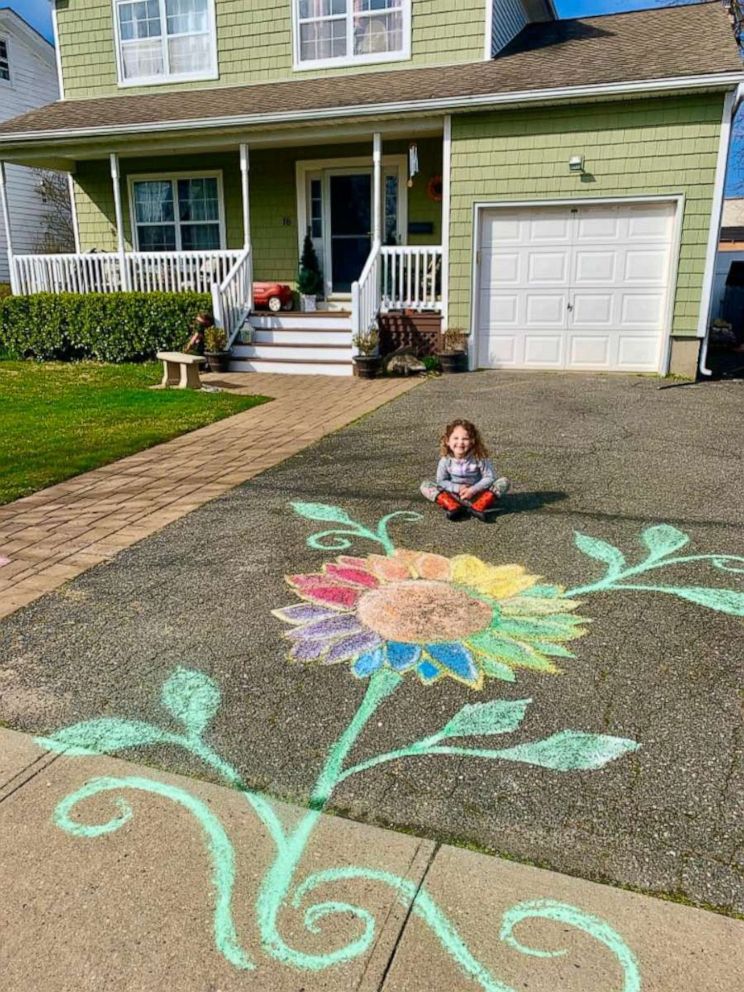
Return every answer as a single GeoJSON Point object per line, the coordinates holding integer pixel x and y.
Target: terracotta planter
{"type": "Point", "coordinates": [453, 361]}
{"type": "Point", "coordinates": [367, 366]}
{"type": "Point", "coordinates": [218, 361]}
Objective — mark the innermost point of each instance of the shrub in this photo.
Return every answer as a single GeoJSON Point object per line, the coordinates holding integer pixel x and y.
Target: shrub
{"type": "Point", "coordinates": [109, 327]}
{"type": "Point", "coordinates": [4, 289]}
{"type": "Point", "coordinates": [215, 339]}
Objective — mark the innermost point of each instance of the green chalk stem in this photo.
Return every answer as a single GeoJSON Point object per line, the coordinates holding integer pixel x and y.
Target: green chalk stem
{"type": "Point", "coordinates": [616, 580]}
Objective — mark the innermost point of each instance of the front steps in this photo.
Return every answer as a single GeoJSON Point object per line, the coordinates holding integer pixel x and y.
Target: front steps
{"type": "Point", "coordinates": [293, 343]}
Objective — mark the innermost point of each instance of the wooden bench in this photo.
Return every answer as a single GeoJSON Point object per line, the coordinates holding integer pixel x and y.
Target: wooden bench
{"type": "Point", "coordinates": [180, 370]}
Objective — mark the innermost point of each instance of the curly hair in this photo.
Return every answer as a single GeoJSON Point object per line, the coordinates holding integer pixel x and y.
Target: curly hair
{"type": "Point", "coordinates": [477, 448]}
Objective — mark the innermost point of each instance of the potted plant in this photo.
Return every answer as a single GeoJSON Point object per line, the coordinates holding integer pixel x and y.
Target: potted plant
{"type": "Point", "coordinates": [309, 277]}
{"type": "Point", "coordinates": [367, 359]}
{"type": "Point", "coordinates": [452, 355]}
{"type": "Point", "coordinates": [215, 349]}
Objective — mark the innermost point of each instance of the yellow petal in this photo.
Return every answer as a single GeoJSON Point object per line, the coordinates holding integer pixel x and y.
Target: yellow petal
{"type": "Point", "coordinates": [536, 606]}
{"type": "Point", "coordinates": [498, 581]}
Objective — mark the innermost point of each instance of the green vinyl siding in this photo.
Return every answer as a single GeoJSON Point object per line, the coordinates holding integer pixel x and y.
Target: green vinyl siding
{"type": "Point", "coordinates": [273, 197]}
{"type": "Point", "coordinates": [254, 44]}
{"type": "Point", "coordinates": [636, 148]}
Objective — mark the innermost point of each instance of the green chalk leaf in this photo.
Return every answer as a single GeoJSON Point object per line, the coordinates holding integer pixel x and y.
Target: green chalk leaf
{"type": "Point", "coordinates": [722, 600]}
{"type": "Point", "coordinates": [571, 750]}
{"type": "Point", "coordinates": [500, 716]}
{"type": "Point", "coordinates": [601, 551]}
{"type": "Point", "coordinates": [497, 670]}
{"type": "Point", "coordinates": [103, 736]}
{"type": "Point", "coordinates": [322, 511]}
{"type": "Point", "coordinates": [663, 540]}
{"type": "Point", "coordinates": [192, 697]}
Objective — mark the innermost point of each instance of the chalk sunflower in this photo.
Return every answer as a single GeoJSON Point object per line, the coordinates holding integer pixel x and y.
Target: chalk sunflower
{"type": "Point", "coordinates": [437, 616]}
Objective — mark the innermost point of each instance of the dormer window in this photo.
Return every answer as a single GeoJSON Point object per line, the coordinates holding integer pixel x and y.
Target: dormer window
{"type": "Point", "coordinates": [160, 41]}
{"type": "Point", "coordinates": [350, 32]}
{"type": "Point", "coordinates": [4, 61]}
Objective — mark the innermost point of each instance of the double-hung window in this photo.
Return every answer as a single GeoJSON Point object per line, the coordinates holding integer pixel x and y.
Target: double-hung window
{"type": "Point", "coordinates": [347, 32]}
{"type": "Point", "coordinates": [179, 213]}
{"type": "Point", "coordinates": [4, 62]}
{"type": "Point", "coordinates": [164, 40]}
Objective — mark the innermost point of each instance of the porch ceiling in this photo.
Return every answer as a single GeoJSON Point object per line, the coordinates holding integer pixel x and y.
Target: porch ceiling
{"type": "Point", "coordinates": [649, 49]}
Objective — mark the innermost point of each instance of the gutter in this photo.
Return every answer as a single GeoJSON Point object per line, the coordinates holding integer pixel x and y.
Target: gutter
{"type": "Point", "coordinates": [448, 105]}
{"type": "Point", "coordinates": [731, 104]}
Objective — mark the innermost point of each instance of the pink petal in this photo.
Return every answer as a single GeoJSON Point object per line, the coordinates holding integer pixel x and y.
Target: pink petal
{"type": "Point", "coordinates": [353, 561]}
{"type": "Point", "coordinates": [355, 576]}
{"type": "Point", "coordinates": [318, 589]}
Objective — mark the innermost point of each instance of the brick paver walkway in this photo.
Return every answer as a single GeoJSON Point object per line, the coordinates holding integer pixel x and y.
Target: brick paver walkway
{"type": "Point", "coordinates": [57, 533]}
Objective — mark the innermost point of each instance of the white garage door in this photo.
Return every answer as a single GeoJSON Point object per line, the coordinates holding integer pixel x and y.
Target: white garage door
{"type": "Point", "coordinates": [574, 287]}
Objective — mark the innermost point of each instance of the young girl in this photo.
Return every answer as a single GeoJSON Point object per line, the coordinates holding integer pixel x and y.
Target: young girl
{"type": "Point", "coordinates": [466, 482]}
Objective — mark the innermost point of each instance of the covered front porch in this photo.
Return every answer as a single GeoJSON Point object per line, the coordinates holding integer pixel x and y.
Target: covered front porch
{"type": "Point", "coordinates": [217, 219]}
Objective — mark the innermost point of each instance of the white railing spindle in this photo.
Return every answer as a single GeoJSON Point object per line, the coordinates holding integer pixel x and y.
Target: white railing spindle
{"type": "Point", "coordinates": [409, 277]}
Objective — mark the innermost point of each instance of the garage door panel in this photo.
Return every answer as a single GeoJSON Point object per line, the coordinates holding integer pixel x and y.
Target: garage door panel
{"type": "Point", "coordinates": [544, 351]}
{"type": "Point", "coordinates": [589, 351]}
{"type": "Point", "coordinates": [638, 353]}
{"type": "Point", "coordinates": [582, 287]}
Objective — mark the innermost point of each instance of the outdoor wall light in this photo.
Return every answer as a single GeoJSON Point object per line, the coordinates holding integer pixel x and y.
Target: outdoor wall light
{"type": "Point", "coordinates": [576, 163]}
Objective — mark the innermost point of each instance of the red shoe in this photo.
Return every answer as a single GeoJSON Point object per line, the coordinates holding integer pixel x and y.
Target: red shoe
{"type": "Point", "coordinates": [484, 505]}
{"type": "Point", "coordinates": [452, 506]}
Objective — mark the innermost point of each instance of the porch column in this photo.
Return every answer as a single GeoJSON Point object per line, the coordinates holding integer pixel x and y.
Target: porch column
{"type": "Point", "coordinates": [244, 168]}
{"type": "Point", "coordinates": [6, 225]}
{"type": "Point", "coordinates": [446, 170]}
{"type": "Point", "coordinates": [114, 162]}
{"type": "Point", "coordinates": [377, 189]}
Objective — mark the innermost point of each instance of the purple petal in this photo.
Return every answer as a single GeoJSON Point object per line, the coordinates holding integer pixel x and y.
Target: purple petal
{"type": "Point", "coordinates": [304, 613]}
{"type": "Point", "coordinates": [331, 627]}
{"type": "Point", "coordinates": [350, 647]}
{"type": "Point", "coordinates": [308, 650]}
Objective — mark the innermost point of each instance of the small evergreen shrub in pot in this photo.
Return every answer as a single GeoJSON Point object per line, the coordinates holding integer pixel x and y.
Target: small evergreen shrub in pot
{"type": "Point", "coordinates": [452, 355]}
{"type": "Point", "coordinates": [215, 349]}
{"type": "Point", "coordinates": [309, 277]}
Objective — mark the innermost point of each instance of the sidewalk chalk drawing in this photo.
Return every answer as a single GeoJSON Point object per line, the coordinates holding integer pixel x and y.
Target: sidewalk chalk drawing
{"type": "Point", "coordinates": [390, 616]}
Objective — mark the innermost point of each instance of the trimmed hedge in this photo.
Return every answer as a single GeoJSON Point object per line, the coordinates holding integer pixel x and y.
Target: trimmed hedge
{"type": "Point", "coordinates": [110, 327]}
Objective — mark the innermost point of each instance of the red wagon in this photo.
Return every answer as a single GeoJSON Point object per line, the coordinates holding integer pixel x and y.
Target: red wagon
{"type": "Point", "coordinates": [272, 296]}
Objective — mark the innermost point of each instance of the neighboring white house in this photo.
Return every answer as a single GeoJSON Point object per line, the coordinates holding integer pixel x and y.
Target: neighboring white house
{"type": "Point", "coordinates": [730, 249]}
{"type": "Point", "coordinates": [28, 79]}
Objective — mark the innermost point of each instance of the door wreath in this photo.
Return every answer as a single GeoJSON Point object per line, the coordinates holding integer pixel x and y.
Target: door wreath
{"type": "Point", "coordinates": [434, 189]}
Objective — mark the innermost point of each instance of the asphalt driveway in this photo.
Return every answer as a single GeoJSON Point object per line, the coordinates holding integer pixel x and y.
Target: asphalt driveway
{"type": "Point", "coordinates": [661, 670]}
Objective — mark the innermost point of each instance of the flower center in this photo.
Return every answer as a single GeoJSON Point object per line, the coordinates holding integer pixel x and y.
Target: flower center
{"type": "Point", "coordinates": [422, 612]}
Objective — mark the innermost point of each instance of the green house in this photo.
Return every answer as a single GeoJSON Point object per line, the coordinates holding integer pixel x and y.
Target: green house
{"type": "Point", "coordinates": [553, 187]}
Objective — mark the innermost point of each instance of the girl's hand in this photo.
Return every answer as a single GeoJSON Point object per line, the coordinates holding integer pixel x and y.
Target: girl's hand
{"type": "Point", "coordinates": [466, 492]}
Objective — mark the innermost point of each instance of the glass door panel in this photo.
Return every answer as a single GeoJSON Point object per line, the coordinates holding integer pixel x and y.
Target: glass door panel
{"type": "Point", "coordinates": [351, 225]}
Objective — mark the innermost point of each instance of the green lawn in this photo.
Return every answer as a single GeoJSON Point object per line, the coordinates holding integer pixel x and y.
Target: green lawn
{"type": "Point", "coordinates": [59, 419]}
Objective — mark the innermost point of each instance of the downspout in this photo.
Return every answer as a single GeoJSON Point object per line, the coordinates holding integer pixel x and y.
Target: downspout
{"type": "Point", "coordinates": [730, 105]}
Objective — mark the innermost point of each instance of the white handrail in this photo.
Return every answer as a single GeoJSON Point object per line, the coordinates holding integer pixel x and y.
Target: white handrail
{"type": "Point", "coordinates": [365, 293]}
{"type": "Point", "coordinates": [232, 298]}
{"type": "Point", "coordinates": [144, 271]}
{"type": "Point", "coordinates": [411, 277]}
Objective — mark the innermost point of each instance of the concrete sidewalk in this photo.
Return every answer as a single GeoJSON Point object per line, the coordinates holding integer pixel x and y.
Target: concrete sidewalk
{"type": "Point", "coordinates": [60, 532]}
{"type": "Point", "coordinates": [134, 908]}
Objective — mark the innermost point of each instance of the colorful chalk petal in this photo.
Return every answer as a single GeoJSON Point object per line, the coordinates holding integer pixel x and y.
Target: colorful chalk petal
{"type": "Point", "coordinates": [456, 658]}
{"type": "Point", "coordinates": [304, 613]}
{"type": "Point", "coordinates": [350, 647]}
{"type": "Point", "coordinates": [329, 628]}
{"type": "Point", "coordinates": [401, 657]}
{"type": "Point", "coordinates": [428, 671]}
{"type": "Point", "coordinates": [367, 663]}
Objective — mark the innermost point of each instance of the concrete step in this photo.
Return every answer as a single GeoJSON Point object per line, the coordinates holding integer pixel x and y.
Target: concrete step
{"type": "Point", "coordinates": [294, 320]}
{"type": "Point", "coordinates": [291, 366]}
{"type": "Point", "coordinates": [310, 336]}
{"type": "Point", "coordinates": [312, 351]}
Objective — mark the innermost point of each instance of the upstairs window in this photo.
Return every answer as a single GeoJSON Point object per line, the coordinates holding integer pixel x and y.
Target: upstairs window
{"type": "Point", "coordinates": [164, 40]}
{"type": "Point", "coordinates": [350, 32]}
{"type": "Point", "coordinates": [4, 61]}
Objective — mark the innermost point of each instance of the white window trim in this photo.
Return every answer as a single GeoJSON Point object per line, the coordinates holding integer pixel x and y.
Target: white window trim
{"type": "Point", "coordinates": [8, 47]}
{"type": "Point", "coordinates": [172, 177]}
{"type": "Point", "coordinates": [349, 59]}
{"type": "Point", "coordinates": [210, 73]}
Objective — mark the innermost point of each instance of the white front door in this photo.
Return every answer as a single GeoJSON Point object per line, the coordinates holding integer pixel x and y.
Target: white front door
{"type": "Point", "coordinates": [574, 287]}
{"type": "Point", "coordinates": [337, 210]}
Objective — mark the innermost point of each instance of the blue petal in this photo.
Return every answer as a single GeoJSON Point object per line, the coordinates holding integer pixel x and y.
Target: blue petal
{"type": "Point", "coordinates": [428, 671]}
{"type": "Point", "coordinates": [456, 658]}
{"type": "Point", "coordinates": [367, 663]}
{"type": "Point", "coordinates": [402, 656]}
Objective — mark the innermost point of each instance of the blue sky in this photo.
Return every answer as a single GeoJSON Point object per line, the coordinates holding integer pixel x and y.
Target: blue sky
{"type": "Point", "coordinates": [38, 15]}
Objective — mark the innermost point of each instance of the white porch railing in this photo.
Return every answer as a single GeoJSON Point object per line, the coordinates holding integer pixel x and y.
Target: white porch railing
{"type": "Point", "coordinates": [232, 297]}
{"type": "Point", "coordinates": [141, 271]}
{"type": "Point", "coordinates": [411, 277]}
{"type": "Point", "coordinates": [365, 294]}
